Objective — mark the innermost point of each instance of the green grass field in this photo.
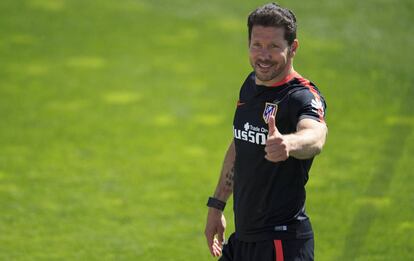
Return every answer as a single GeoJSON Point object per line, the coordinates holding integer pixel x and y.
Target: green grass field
{"type": "Point", "coordinates": [115, 116]}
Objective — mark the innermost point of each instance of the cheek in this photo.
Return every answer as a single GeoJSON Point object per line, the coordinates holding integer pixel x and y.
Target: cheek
{"type": "Point", "coordinates": [255, 55]}
{"type": "Point", "coordinates": [252, 57]}
{"type": "Point", "coordinates": [251, 53]}
{"type": "Point", "coordinates": [279, 58]}
{"type": "Point", "coordinates": [284, 55]}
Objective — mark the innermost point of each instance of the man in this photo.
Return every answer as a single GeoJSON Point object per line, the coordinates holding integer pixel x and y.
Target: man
{"type": "Point", "coordinates": [278, 129]}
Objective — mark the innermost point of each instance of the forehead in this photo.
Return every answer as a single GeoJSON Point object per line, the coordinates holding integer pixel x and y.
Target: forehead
{"type": "Point", "coordinates": [267, 33]}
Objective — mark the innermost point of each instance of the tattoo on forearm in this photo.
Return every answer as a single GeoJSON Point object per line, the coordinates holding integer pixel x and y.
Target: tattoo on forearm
{"type": "Point", "coordinates": [229, 177]}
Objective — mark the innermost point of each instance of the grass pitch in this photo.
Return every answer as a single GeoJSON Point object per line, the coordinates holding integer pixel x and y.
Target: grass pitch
{"type": "Point", "coordinates": [115, 117]}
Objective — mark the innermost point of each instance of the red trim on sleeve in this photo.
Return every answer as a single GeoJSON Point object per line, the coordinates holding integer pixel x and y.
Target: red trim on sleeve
{"type": "Point", "coordinates": [307, 84]}
{"type": "Point", "coordinates": [279, 250]}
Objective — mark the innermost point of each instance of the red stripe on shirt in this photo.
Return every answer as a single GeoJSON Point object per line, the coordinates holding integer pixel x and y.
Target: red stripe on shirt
{"type": "Point", "coordinates": [288, 78]}
{"type": "Point", "coordinates": [279, 250]}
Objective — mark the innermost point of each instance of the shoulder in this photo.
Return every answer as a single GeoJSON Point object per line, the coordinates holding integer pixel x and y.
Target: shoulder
{"type": "Point", "coordinates": [303, 90]}
{"type": "Point", "coordinates": [250, 80]}
{"type": "Point", "coordinates": [306, 101]}
{"type": "Point", "coordinates": [247, 88]}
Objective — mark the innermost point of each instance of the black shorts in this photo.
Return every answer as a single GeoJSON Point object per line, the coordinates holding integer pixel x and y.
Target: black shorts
{"type": "Point", "coordinates": [270, 250]}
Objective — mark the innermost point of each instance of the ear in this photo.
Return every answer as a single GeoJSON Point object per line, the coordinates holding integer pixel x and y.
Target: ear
{"type": "Point", "coordinates": [293, 48]}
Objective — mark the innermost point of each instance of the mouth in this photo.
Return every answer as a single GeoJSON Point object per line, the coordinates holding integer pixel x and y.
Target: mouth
{"type": "Point", "coordinates": [264, 65]}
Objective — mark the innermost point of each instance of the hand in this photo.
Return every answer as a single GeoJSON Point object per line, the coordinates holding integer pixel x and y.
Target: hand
{"type": "Point", "coordinates": [214, 232]}
{"type": "Point", "coordinates": [277, 146]}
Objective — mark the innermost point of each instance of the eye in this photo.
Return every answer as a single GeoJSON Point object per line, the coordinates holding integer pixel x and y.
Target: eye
{"type": "Point", "coordinates": [256, 45]}
{"type": "Point", "coordinates": [274, 46]}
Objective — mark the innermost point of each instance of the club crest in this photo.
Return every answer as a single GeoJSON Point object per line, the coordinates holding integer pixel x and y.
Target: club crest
{"type": "Point", "coordinates": [270, 109]}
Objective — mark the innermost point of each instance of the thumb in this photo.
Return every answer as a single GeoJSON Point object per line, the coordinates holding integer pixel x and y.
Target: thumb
{"type": "Point", "coordinates": [272, 126]}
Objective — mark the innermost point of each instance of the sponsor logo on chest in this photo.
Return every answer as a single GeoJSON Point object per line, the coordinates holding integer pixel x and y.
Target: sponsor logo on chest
{"type": "Point", "coordinates": [254, 134]}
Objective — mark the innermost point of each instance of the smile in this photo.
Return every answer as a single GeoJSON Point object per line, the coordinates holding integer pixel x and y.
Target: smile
{"type": "Point", "coordinates": [264, 65]}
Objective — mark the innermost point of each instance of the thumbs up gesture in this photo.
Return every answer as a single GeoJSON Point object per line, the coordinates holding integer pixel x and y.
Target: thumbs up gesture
{"type": "Point", "coordinates": [277, 148]}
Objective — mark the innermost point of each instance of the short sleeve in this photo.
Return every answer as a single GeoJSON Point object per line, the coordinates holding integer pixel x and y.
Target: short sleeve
{"type": "Point", "coordinates": [307, 103]}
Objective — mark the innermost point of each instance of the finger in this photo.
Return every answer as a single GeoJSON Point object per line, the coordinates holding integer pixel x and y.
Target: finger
{"type": "Point", "coordinates": [217, 242]}
{"type": "Point", "coordinates": [275, 148]}
{"type": "Point", "coordinates": [273, 157]}
{"type": "Point", "coordinates": [272, 148]}
{"type": "Point", "coordinates": [210, 238]}
{"type": "Point", "coordinates": [274, 140]}
{"type": "Point", "coordinates": [217, 253]}
{"type": "Point", "coordinates": [269, 149]}
{"type": "Point", "coordinates": [217, 248]}
{"type": "Point", "coordinates": [271, 124]}
{"type": "Point", "coordinates": [212, 250]}
{"type": "Point", "coordinates": [273, 131]}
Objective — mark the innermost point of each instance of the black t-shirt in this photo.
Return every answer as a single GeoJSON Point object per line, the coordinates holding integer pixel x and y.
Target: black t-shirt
{"type": "Point", "coordinates": [269, 198]}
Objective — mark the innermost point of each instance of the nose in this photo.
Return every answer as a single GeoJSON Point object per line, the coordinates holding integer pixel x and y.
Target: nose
{"type": "Point", "coordinates": [265, 54]}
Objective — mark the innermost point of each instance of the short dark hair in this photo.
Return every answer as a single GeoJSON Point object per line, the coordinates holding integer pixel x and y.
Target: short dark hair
{"type": "Point", "coordinates": [274, 15]}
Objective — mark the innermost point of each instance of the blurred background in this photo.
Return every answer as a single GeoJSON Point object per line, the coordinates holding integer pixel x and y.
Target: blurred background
{"type": "Point", "coordinates": [115, 117]}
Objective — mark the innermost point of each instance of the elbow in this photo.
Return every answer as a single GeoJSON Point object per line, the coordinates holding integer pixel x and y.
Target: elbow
{"type": "Point", "coordinates": [317, 150]}
{"type": "Point", "coordinates": [319, 146]}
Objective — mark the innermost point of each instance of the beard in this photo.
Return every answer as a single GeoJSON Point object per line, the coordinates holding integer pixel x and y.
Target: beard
{"type": "Point", "coordinates": [267, 74]}
{"type": "Point", "coordinates": [265, 77]}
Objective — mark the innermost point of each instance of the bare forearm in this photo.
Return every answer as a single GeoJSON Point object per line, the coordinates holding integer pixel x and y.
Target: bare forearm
{"type": "Point", "coordinates": [306, 142]}
{"type": "Point", "coordinates": [225, 185]}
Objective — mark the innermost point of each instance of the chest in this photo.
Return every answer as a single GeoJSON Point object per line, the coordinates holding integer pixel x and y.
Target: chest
{"type": "Point", "coordinates": [250, 122]}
